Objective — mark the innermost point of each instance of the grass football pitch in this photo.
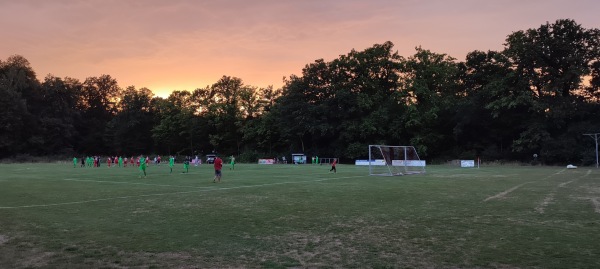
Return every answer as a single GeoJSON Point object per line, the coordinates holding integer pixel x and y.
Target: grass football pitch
{"type": "Point", "coordinates": [299, 216]}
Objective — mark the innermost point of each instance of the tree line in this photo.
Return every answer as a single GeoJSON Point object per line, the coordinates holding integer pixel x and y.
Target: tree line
{"type": "Point", "coordinates": [536, 96]}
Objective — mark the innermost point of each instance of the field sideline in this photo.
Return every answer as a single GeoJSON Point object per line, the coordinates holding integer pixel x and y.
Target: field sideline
{"type": "Point", "coordinates": [281, 216]}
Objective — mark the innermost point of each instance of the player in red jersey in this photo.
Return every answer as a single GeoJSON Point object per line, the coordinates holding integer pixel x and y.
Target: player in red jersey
{"type": "Point", "coordinates": [218, 166]}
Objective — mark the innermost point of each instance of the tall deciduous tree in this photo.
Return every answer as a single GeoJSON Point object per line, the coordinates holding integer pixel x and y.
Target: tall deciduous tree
{"type": "Point", "coordinates": [339, 107]}
{"type": "Point", "coordinates": [553, 61]}
{"type": "Point", "coordinates": [492, 109]}
{"type": "Point", "coordinates": [260, 131]}
{"type": "Point", "coordinates": [173, 130]}
{"type": "Point", "coordinates": [99, 98]}
{"type": "Point", "coordinates": [18, 83]}
{"type": "Point", "coordinates": [429, 87]}
{"type": "Point", "coordinates": [130, 129]}
{"type": "Point", "coordinates": [57, 115]}
{"type": "Point", "coordinates": [224, 113]}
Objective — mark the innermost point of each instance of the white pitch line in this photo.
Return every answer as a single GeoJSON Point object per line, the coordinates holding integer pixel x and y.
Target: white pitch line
{"type": "Point", "coordinates": [94, 200]}
{"type": "Point", "coordinates": [168, 193]}
{"type": "Point", "coordinates": [134, 183]}
{"type": "Point", "coordinates": [504, 193]}
{"type": "Point", "coordinates": [569, 182]}
{"type": "Point", "coordinates": [550, 197]}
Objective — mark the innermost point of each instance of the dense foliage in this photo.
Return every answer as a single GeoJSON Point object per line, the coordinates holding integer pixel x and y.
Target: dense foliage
{"type": "Point", "coordinates": [536, 96]}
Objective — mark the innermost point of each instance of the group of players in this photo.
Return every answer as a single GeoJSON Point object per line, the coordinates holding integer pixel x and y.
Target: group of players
{"type": "Point", "coordinates": [142, 162]}
{"type": "Point", "coordinates": [95, 161]}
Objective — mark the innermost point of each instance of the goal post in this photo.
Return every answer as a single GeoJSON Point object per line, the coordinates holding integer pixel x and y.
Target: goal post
{"type": "Point", "coordinates": [387, 160]}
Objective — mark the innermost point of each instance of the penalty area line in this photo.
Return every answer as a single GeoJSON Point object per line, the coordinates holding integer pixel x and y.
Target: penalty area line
{"type": "Point", "coordinates": [135, 183]}
{"type": "Point", "coordinates": [168, 193]}
{"type": "Point", "coordinates": [550, 197]}
{"type": "Point", "coordinates": [573, 180]}
{"type": "Point", "coordinates": [95, 200]}
{"type": "Point", "coordinates": [504, 193]}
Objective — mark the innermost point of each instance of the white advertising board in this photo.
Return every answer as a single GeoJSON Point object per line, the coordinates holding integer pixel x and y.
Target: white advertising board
{"type": "Point", "coordinates": [467, 163]}
{"type": "Point", "coordinates": [417, 163]}
{"type": "Point", "coordinates": [366, 162]}
{"type": "Point", "coordinates": [266, 161]}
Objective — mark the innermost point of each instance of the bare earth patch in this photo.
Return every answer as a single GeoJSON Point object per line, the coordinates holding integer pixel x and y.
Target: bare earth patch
{"type": "Point", "coordinates": [38, 259]}
{"type": "Point", "coordinates": [3, 239]}
{"type": "Point", "coordinates": [596, 202]}
{"type": "Point", "coordinates": [540, 208]}
{"type": "Point", "coordinates": [314, 249]}
{"type": "Point", "coordinates": [592, 190]}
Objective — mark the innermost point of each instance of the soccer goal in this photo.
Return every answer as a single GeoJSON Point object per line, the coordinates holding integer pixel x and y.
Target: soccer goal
{"type": "Point", "coordinates": [394, 161]}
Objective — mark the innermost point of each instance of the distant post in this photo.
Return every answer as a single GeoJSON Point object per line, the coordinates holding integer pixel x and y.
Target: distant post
{"type": "Point", "coordinates": [595, 137]}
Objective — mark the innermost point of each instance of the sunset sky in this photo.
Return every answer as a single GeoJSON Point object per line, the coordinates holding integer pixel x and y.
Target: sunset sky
{"type": "Point", "coordinates": [168, 45]}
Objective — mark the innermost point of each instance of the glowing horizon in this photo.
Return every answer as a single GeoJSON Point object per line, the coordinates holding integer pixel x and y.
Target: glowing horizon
{"type": "Point", "coordinates": [186, 44]}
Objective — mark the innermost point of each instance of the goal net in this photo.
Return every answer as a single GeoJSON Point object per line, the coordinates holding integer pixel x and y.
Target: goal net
{"type": "Point", "coordinates": [394, 161]}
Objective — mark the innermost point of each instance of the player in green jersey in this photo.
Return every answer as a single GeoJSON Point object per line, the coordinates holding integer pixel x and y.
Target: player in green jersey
{"type": "Point", "coordinates": [186, 164]}
{"type": "Point", "coordinates": [143, 166]}
{"type": "Point", "coordinates": [171, 163]}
